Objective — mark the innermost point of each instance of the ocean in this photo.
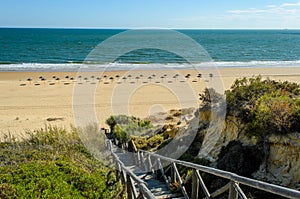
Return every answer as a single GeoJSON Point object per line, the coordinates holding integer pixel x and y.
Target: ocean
{"type": "Point", "coordinates": [26, 49]}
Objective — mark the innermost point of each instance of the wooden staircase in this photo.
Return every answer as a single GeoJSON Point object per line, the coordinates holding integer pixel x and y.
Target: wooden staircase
{"type": "Point", "coordinates": [158, 188]}
{"type": "Point", "coordinates": [138, 173]}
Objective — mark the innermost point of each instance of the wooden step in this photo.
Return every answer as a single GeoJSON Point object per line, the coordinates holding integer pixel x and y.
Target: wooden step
{"type": "Point", "coordinates": [172, 195]}
{"type": "Point", "coordinates": [158, 188]}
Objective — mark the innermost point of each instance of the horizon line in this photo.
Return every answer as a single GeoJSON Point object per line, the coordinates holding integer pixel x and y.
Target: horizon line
{"type": "Point", "coordinates": [130, 28]}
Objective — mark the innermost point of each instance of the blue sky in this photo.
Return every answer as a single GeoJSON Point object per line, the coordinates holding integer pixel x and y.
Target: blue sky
{"type": "Point", "coordinates": [228, 14]}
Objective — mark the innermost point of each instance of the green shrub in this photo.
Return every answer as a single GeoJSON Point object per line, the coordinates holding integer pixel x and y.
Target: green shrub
{"type": "Point", "coordinates": [265, 106]}
{"type": "Point", "coordinates": [148, 143]}
{"type": "Point", "coordinates": [53, 163]}
{"type": "Point", "coordinates": [120, 134]}
{"type": "Point", "coordinates": [122, 127]}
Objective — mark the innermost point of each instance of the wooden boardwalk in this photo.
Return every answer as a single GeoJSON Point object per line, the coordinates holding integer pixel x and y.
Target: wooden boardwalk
{"type": "Point", "coordinates": [138, 171]}
{"type": "Point", "coordinates": [159, 188]}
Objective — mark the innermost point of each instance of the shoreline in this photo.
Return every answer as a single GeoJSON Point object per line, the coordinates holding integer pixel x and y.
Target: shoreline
{"type": "Point", "coordinates": [28, 105]}
{"type": "Point", "coordinates": [111, 67]}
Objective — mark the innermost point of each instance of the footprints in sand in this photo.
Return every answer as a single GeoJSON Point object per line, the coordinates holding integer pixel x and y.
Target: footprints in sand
{"type": "Point", "coordinates": [135, 78]}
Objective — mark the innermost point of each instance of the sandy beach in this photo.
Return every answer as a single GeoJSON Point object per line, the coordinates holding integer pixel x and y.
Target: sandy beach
{"type": "Point", "coordinates": [33, 100]}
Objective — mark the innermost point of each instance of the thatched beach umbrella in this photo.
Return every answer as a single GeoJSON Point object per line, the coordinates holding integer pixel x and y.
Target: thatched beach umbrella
{"type": "Point", "coordinates": [105, 77]}
{"type": "Point", "coordinates": [137, 78]}
{"type": "Point", "coordinates": [29, 80]}
{"type": "Point", "coordinates": [57, 79]}
{"type": "Point", "coordinates": [43, 79]}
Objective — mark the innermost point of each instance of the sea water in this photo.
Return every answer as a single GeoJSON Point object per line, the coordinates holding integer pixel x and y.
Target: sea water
{"type": "Point", "coordinates": [26, 49]}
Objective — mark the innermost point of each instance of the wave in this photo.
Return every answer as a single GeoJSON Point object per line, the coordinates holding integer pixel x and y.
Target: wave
{"type": "Point", "coordinates": [140, 66]}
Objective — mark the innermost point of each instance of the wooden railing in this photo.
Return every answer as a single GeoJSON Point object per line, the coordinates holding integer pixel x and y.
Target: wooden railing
{"type": "Point", "coordinates": [153, 162]}
{"type": "Point", "coordinates": [129, 179]}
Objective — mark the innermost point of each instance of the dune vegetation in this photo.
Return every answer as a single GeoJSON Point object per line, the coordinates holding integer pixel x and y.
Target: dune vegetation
{"type": "Point", "coordinates": [53, 163]}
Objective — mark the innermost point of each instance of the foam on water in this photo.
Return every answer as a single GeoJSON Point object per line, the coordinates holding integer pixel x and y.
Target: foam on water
{"type": "Point", "coordinates": [152, 66]}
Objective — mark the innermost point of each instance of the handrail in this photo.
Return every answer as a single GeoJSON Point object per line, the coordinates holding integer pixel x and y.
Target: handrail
{"type": "Point", "coordinates": [131, 193]}
{"type": "Point", "coordinates": [236, 179]}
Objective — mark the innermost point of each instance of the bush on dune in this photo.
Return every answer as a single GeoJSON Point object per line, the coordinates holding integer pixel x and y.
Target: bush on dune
{"type": "Point", "coordinates": [265, 106]}
{"type": "Point", "coordinates": [53, 163]}
{"type": "Point", "coordinates": [122, 127]}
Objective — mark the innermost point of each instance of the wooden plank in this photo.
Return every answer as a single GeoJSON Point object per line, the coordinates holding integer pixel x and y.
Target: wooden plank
{"type": "Point", "coordinates": [150, 168]}
{"type": "Point", "coordinates": [180, 181]}
{"type": "Point", "coordinates": [143, 161]}
{"type": "Point", "coordinates": [220, 191]}
{"type": "Point", "coordinates": [129, 188]}
{"type": "Point", "coordinates": [204, 188]}
{"type": "Point", "coordinates": [163, 173]}
{"type": "Point", "coordinates": [195, 185]}
{"type": "Point", "coordinates": [232, 193]}
{"type": "Point", "coordinates": [239, 191]}
{"type": "Point", "coordinates": [146, 192]}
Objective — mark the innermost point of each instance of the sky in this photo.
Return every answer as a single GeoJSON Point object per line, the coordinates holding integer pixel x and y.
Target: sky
{"type": "Point", "coordinates": [176, 14]}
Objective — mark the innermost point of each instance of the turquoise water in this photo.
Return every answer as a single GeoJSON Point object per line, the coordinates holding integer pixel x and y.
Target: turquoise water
{"type": "Point", "coordinates": [26, 49]}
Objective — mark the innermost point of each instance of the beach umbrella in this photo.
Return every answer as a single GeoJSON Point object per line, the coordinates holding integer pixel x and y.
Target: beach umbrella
{"type": "Point", "coordinates": [137, 78]}
{"type": "Point", "coordinates": [43, 79]}
{"type": "Point", "coordinates": [57, 79]}
{"type": "Point", "coordinates": [175, 77]}
{"type": "Point", "coordinates": [29, 79]}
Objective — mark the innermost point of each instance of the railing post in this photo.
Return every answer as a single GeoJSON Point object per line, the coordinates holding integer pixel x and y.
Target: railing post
{"type": "Point", "coordinates": [129, 190]}
{"type": "Point", "coordinates": [138, 159]}
{"type": "Point", "coordinates": [143, 161]}
{"type": "Point", "coordinates": [232, 193]}
{"type": "Point", "coordinates": [118, 173]}
{"type": "Point", "coordinates": [195, 185]}
{"type": "Point", "coordinates": [173, 174]}
{"type": "Point", "coordinates": [160, 167]}
{"type": "Point", "coordinates": [177, 175]}
{"type": "Point", "coordinates": [149, 164]}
